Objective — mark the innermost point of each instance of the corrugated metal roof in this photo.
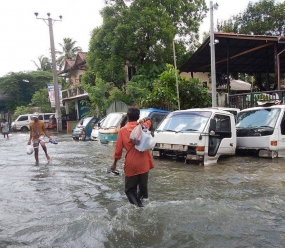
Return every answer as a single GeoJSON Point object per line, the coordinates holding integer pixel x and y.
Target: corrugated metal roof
{"type": "Point", "coordinates": [246, 53]}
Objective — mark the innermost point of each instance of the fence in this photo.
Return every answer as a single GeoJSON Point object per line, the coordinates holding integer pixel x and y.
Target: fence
{"type": "Point", "coordinates": [248, 100]}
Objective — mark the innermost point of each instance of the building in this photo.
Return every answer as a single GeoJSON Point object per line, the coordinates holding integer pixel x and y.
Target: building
{"type": "Point", "coordinates": [73, 98]}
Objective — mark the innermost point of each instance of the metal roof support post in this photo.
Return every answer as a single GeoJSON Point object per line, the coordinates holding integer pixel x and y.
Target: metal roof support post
{"type": "Point", "coordinates": [281, 39]}
{"type": "Point", "coordinates": [278, 70]}
{"type": "Point", "coordinates": [176, 78]}
{"type": "Point", "coordinates": [213, 62]}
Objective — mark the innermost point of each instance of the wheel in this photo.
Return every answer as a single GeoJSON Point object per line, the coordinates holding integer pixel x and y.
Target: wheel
{"type": "Point", "coordinates": [24, 129]}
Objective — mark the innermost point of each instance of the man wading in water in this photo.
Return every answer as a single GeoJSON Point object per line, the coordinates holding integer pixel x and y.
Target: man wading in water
{"type": "Point", "coordinates": [37, 132]}
{"type": "Point", "coordinates": [137, 164]}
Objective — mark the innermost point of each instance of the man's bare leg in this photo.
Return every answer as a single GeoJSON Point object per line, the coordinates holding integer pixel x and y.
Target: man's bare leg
{"type": "Point", "coordinates": [45, 150]}
{"type": "Point", "coordinates": [36, 152]}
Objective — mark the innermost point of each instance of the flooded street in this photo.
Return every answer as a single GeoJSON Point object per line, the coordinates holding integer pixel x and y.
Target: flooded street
{"type": "Point", "coordinates": [73, 202]}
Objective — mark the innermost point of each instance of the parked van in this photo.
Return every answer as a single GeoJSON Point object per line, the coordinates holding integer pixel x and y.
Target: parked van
{"type": "Point", "coordinates": [108, 130]}
{"type": "Point", "coordinates": [155, 115]}
{"type": "Point", "coordinates": [22, 121]}
{"type": "Point", "coordinates": [262, 130]}
{"type": "Point", "coordinates": [202, 135]}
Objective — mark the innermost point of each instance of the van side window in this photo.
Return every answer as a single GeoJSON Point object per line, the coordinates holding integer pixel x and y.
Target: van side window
{"type": "Point", "coordinates": [23, 118]}
{"type": "Point", "coordinates": [46, 117]}
{"type": "Point", "coordinates": [282, 125]}
{"type": "Point", "coordinates": [40, 117]}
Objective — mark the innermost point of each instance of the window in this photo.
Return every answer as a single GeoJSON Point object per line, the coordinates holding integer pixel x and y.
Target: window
{"type": "Point", "coordinates": [283, 125]}
{"type": "Point", "coordinates": [23, 118]}
{"type": "Point", "coordinates": [46, 117]}
{"type": "Point", "coordinates": [223, 123]}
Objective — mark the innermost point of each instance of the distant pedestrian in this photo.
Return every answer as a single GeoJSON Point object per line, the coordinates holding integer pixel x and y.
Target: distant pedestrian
{"type": "Point", "coordinates": [37, 132]}
{"type": "Point", "coordinates": [5, 128]}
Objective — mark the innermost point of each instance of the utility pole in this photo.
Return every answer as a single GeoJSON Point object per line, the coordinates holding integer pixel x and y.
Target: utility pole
{"type": "Point", "coordinates": [49, 21]}
{"type": "Point", "coordinates": [177, 88]}
{"type": "Point", "coordinates": [213, 60]}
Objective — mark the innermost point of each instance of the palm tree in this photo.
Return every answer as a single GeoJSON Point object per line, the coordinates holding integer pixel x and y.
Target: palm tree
{"type": "Point", "coordinates": [44, 64]}
{"type": "Point", "coordinates": [69, 51]}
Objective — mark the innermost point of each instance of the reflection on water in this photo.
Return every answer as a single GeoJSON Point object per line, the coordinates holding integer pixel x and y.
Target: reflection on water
{"type": "Point", "coordinates": [73, 202]}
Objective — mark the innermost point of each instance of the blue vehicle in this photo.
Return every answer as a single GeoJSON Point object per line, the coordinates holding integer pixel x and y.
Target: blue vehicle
{"type": "Point", "coordinates": [155, 115]}
{"type": "Point", "coordinates": [108, 131]}
{"type": "Point", "coordinates": [83, 128]}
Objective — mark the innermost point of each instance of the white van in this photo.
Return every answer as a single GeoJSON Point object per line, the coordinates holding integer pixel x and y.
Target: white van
{"type": "Point", "coordinates": [202, 135]}
{"type": "Point", "coordinates": [262, 130]}
{"type": "Point", "coordinates": [22, 121]}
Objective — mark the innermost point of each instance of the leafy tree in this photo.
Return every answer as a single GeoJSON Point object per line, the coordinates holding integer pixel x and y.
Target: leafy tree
{"type": "Point", "coordinates": [140, 33]}
{"type": "Point", "coordinates": [20, 110]}
{"type": "Point", "coordinates": [44, 64]}
{"type": "Point", "coordinates": [22, 86]}
{"type": "Point", "coordinates": [141, 83]}
{"type": "Point", "coordinates": [98, 97]}
{"type": "Point", "coordinates": [266, 17]}
{"type": "Point", "coordinates": [40, 99]}
{"type": "Point", "coordinates": [69, 51]}
{"type": "Point", "coordinates": [164, 94]}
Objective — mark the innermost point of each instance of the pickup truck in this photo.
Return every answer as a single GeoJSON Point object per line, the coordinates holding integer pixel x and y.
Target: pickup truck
{"type": "Point", "coordinates": [201, 135]}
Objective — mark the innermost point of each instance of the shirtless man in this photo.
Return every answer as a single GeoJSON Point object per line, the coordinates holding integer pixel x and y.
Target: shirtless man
{"type": "Point", "coordinates": [37, 132]}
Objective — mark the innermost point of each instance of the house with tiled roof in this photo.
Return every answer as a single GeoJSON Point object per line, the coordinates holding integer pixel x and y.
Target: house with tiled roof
{"type": "Point", "coordinates": [73, 96]}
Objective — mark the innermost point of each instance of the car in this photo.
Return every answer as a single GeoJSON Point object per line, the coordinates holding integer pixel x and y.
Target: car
{"type": "Point", "coordinates": [95, 130]}
{"type": "Point", "coordinates": [22, 121]}
{"type": "Point", "coordinates": [83, 128]}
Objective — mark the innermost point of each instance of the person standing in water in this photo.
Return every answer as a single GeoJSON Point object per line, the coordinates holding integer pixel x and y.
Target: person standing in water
{"type": "Point", "coordinates": [5, 128]}
{"type": "Point", "coordinates": [37, 132]}
{"type": "Point", "coordinates": [136, 165]}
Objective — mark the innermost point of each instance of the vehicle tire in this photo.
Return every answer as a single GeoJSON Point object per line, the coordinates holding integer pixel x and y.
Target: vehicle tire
{"type": "Point", "coordinates": [24, 129]}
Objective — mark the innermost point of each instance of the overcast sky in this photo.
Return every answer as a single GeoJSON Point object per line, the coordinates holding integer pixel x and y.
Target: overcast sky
{"type": "Point", "coordinates": [24, 38]}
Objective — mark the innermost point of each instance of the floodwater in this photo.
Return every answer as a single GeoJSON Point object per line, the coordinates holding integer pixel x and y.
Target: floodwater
{"type": "Point", "coordinates": [73, 202]}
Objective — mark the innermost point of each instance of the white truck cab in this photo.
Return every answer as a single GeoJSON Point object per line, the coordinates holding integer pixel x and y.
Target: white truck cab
{"type": "Point", "coordinates": [201, 134]}
{"type": "Point", "coordinates": [262, 130]}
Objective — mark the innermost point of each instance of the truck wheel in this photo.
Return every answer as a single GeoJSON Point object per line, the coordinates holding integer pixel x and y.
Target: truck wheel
{"type": "Point", "coordinates": [24, 129]}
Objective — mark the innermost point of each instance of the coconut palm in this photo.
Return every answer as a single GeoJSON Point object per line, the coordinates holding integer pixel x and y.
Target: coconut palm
{"type": "Point", "coordinates": [69, 51]}
{"type": "Point", "coordinates": [44, 64]}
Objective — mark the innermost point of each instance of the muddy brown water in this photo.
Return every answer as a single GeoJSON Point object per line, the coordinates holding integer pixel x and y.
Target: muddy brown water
{"type": "Point", "coordinates": [73, 202]}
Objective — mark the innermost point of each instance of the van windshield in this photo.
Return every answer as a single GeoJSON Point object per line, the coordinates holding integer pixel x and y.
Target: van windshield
{"type": "Point", "coordinates": [258, 118]}
{"type": "Point", "coordinates": [185, 121]}
{"type": "Point", "coordinates": [112, 120]}
{"type": "Point", "coordinates": [144, 113]}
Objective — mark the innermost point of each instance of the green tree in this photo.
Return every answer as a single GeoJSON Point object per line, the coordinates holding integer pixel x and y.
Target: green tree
{"type": "Point", "coordinates": [164, 94]}
{"type": "Point", "coordinates": [43, 64]}
{"type": "Point", "coordinates": [40, 99]}
{"type": "Point", "coordinates": [98, 97]}
{"type": "Point", "coordinates": [140, 33]}
{"type": "Point", "coordinates": [22, 86]}
{"type": "Point", "coordinates": [68, 51]}
{"type": "Point", "coordinates": [20, 110]}
{"type": "Point", "coordinates": [266, 17]}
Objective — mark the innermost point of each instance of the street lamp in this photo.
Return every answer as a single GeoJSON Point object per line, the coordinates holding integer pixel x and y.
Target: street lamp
{"type": "Point", "coordinates": [212, 47]}
{"type": "Point", "coordinates": [49, 21]}
{"type": "Point", "coordinates": [177, 88]}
